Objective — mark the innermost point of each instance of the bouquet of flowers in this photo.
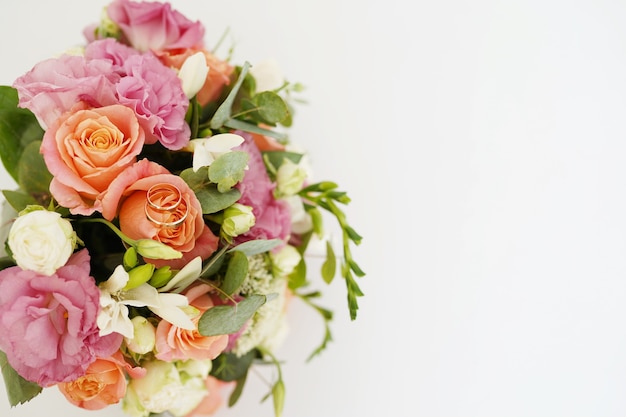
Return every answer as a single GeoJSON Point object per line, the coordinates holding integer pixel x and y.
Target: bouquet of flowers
{"type": "Point", "coordinates": [161, 221]}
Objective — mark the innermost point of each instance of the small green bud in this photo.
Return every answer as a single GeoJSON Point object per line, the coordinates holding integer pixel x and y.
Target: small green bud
{"type": "Point", "coordinates": [130, 258]}
{"type": "Point", "coordinates": [156, 250]}
{"type": "Point", "coordinates": [139, 275]}
{"type": "Point", "coordinates": [160, 277]}
{"type": "Point", "coordinates": [238, 219]}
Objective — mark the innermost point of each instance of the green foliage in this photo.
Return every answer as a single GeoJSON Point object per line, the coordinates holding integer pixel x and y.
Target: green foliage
{"type": "Point", "coordinates": [19, 390]}
{"type": "Point", "coordinates": [226, 319]}
{"type": "Point", "coordinates": [230, 367]}
{"type": "Point", "coordinates": [223, 112]}
{"type": "Point", "coordinates": [329, 267]}
{"type": "Point", "coordinates": [19, 200]}
{"type": "Point", "coordinates": [326, 315]}
{"type": "Point", "coordinates": [235, 273]}
{"type": "Point", "coordinates": [227, 170]}
{"type": "Point", "coordinates": [254, 247]}
{"type": "Point", "coordinates": [211, 199]}
{"type": "Point", "coordinates": [18, 128]}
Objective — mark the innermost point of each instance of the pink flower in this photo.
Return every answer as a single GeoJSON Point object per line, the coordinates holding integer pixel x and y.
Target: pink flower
{"type": "Point", "coordinates": [111, 50]}
{"type": "Point", "coordinates": [272, 216]}
{"type": "Point", "coordinates": [48, 323]}
{"type": "Point", "coordinates": [56, 85]}
{"type": "Point", "coordinates": [155, 93]}
{"type": "Point", "coordinates": [213, 401]}
{"type": "Point", "coordinates": [155, 26]}
{"type": "Point", "coordinates": [127, 198]}
{"type": "Point", "coordinates": [86, 150]}
{"type": "Point", "coordinates": [174, 343]}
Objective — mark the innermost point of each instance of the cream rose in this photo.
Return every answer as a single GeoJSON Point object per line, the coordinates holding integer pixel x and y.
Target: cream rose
{"type": "Point", "coordinates": [41, 241]}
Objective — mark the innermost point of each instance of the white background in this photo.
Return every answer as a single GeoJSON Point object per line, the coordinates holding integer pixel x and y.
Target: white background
{"type": "Point", "coordinates": [482, 144]}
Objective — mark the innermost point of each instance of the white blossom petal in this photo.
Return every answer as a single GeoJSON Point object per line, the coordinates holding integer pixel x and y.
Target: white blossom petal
{"type": "Point", "coordinates": [185, 277]}
{"type": "Point", "coordinates": [193, 74]}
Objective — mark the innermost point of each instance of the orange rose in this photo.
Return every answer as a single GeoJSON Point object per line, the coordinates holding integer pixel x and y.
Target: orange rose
{"type": "Point", "coordinates": [103, 384]}
{"type": "Point", "coordinates": [86, 149]}
{"type": "Point", "coordinates": [217, 78]}
{"type": "Point", "coordinates": [155, 204]}
{"type": "Point", "coordinates": [174, 343]}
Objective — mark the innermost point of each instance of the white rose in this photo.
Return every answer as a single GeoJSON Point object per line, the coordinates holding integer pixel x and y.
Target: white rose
{"type": "Point", "coordinates": [41, 241]}
{"type": "Point", "coordinates": [285, 260]}
{"type": "Point", "coordinates": [289, 179]}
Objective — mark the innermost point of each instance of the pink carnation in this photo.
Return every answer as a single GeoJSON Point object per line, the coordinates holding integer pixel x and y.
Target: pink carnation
{"type": "Point", "coordinates": [56, 85]}
{"type": "Point", "coordinates": [155, 26]}
{"type": "Point", "coordinates": [272, 216]}
{"type": "Point", "coordinates": [48, 323]}
{"type": "Point", "coordinates": [155, 93]}
{"type": "Point", "coordinates": [111, 50]}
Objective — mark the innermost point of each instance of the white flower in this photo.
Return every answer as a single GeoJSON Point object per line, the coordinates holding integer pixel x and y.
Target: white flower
{"type": "Point", "coordinates": [193, 74]}
{"type": "Point", "coordinates": [113, 316]}
{"type": "Point", "coordinates": [41, 241]}
{"type": "Point", "coordinates": [284, 260]}
{"type": "Point", "coordinates": [165, 388]}
{"type": "Point", "coordinates": [144, 336]}
{"type": "Point", "coordinates": [301, 221]}
{"type": "Point", "coordinates": [238, 219]}
{"type": "Point", "coordinates": [207, 150]}
{"type": "Point", "coordinates": [267, 75]}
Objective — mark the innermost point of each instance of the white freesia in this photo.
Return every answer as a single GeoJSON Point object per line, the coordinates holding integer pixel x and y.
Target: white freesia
{"type": "Point", "coordinates": [267, 75]}
{"type": "Point", "coordinates": [193, 74]}
{"type": "Point", "coordinates": [207, 150]}
{"type": "Point", "coordinates": [114, 300]}
{"type": "Point", "coordinates": [41, 241]}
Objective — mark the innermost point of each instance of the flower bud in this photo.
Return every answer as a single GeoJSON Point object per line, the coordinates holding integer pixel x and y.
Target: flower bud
{"type": "Point", "coordinates": [193, 74]}
{"type": "Point", "coordinates": [144, 336]}
{"type": "Point", "coordinates": [156, 250]}
{"type": "Point", "coordinates": [284, 260]}
{"type": "Point", "coordinates": [130, 258]}
{"type": "Point", "coordinates": [139, 275]}
{"type": "Point", "coordinates": [289, 179]}
{"type": "Point", "coordinates": [161, 276]}
{"type": "Point", "coordinates": [238, 219]}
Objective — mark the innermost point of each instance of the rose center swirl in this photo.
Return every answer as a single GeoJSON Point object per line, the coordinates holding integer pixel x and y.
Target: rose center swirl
{"type": "Point", "coordinates": [165, 206]}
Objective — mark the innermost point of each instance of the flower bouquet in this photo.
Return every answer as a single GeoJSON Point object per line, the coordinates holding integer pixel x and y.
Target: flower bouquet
{"type": "Point", "coordinates": [161, 221]}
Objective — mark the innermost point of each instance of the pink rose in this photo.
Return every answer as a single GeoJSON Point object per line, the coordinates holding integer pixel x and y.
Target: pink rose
{"type": "Point", "coordinates": [156, 94]}
{"type": "Point", "coordinates": [129, 194]}
{"type": "Point", "coordinates": [103, 384]}
{"type": "Point", "coordinates": [86, 150]}
{"type": "Point", "coordinates": [273, 218]}
{"type": "Point", "coordinates": [155, 26]}
{"type": "Point", "coordinates": [54, 86]}
{"type": "Point", "coordinates": [48, 323]}
{"type": "Point", "coordinates": [174, 343]}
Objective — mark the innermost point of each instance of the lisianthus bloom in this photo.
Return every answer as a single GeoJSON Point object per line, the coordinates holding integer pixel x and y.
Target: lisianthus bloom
{"type": "Point", "coordinates": [174, 343]}
{"type": "Point", "coordinates": [48, 323]}
{"type": "Point", "coordinates": [54, 86]}
{"type": "Point", "coordinates": [41, 241]}
{"type": "Point", "coordinates": [103, 384]}
{"type": "Point", "coordinates": [272, 216]}
{"type": "Point", "coordinates": [181, 228]}
{"type": "Point", "coordinates": [177, 387]}
{"type": "Point", "coordinates": [86, 150]}
{"type": "Point", "coordinates": [216, 79]}
{"type": "Point", "coordinates": [154, 26]}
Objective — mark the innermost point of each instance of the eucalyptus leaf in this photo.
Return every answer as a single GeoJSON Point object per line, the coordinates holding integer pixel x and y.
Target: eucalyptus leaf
{"type": "Point", "coordinates": [33, 175]}
{"type": "Point", "coordinates": [227, 319]}
{"type": "Point", "coordinates": [252, 128]}
{"type": "Point", "coordinates": [227, 170]}
{"type": "Point", "coordinates": [270, 107]}
{"type": "Point", "coordinates": [254, 247]}
{"type": "Point", "coordinates": [19, 390]}
{"type": "Point", "coordinates": [210, 198]}
{"type": "Point", "coordinates": [223, 112]}
{"type": "Point", "coordinates": [236, 273]}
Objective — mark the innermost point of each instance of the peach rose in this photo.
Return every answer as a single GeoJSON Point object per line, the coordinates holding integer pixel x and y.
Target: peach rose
{"type": "Point", "coordinates": [103, 384]}
{"type": "Point", "coordinates": [155, 204]}
{"type": "Point", "coordinates": [174, 343]}
{"type": "Point", "coordinates": [86, 149]}
{"type": "Point", "coordinates": [217, 78]}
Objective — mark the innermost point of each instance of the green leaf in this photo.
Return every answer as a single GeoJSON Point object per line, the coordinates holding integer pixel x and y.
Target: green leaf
{"type": "Point", "coordinates": [18, 128]}
{"type": "Point", "coordinates": [18, 389]}
{"type": "Point", "coordinates": [226, 319]}
{"type": "Point", "coordinates": [235, 273]}
{"type": "Point", "coordinates": [252, 128]}
{"type": "Point", "coordinates": [230, 367]}
{"type": "Point", "coordinates": [270, 107]}
{"type": "Point", "coordinates": [223, 112]}
{"type": "Point", "coordinates": [32, 174]}
{"type": "Point", "coordinates": [234, 396]}
{"type": "Point", "coordinates": [228, 170]}
{"type": "Point", "coordinates": [329, 267]}
{"type": "Point", "coordinates": [297, 278]}
{"type": "Point", "coordinates": [19, 200]}
{"type": "Point", "coordinates": [254, 247]}
{"type": "Point", "coordinates": [210, 198]}
{"type": "Point", "coordinates": [276, 158]}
